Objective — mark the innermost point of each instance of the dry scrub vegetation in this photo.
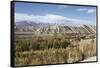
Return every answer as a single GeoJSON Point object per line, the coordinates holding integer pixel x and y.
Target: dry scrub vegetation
{"type": "Point", "coordinates": [53, 50]}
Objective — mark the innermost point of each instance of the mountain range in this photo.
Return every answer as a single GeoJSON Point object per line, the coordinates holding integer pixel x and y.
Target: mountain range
{"type": "Point", "coordinates": [58, 27]}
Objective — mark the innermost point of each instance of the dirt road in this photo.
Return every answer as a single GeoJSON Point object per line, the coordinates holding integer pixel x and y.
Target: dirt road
{"type": "Point", "coordinates": [89, 59]}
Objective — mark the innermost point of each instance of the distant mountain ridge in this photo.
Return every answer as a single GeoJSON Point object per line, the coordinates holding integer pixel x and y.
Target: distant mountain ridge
{"type": "Point", "coordinates": [61, 27]}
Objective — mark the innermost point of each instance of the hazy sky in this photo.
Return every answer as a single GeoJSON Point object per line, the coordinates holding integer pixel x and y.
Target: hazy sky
{"type": "Point", "coordinates": [51, 12]}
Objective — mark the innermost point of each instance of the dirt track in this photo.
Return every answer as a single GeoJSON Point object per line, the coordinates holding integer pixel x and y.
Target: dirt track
{"type": "Point", "coordinates": [90, 59]}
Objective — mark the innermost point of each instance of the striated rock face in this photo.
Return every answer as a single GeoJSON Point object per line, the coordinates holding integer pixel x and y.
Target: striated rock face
{"type": "Point", "coordinates": [48, 28]}
{"type": "Point", "coordinates": [45, 29]}
{"type": "Point", "coordinates": [66, 29]}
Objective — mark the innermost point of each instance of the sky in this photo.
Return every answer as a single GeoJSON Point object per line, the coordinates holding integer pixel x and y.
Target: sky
{"type": "Point", "coordinates": [51, 13]}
